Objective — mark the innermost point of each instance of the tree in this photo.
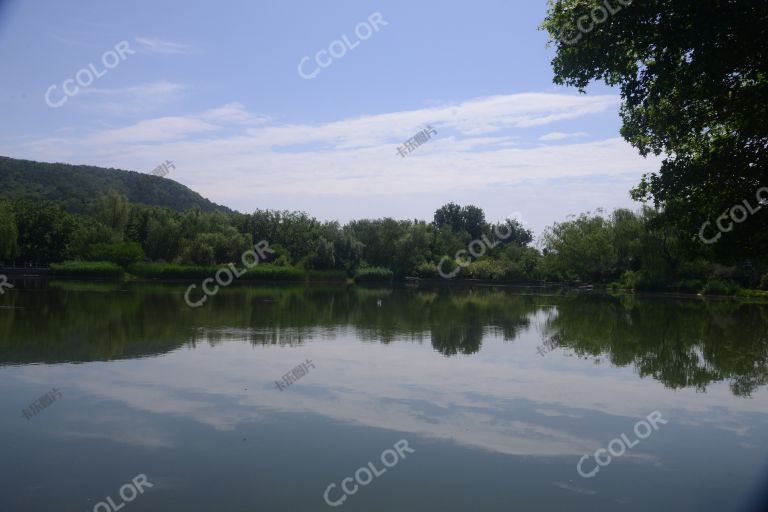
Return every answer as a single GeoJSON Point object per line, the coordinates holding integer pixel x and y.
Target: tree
{"type": "Point", "coordinates": [198, 252]}
{"type": "Point", "coordinates": [511, 232]}
{"type": "Point", "coordinates": [582, 248]}
{"type": "Point", "coordinates": [87, 233]}
{"type": "Point", "coordinates": [449, 215]}
{"type": "Point", "coordinates": [693, 77]}
{"type": "Point", "coordinates": [473, 220]}
{"type": "Point", "coordinates": [323, 256]}
{"type": "Point", "coordinates": [163, 238]}
{"type": "Point", "coordinates": [412, 249]}
{"type": "Point", "coordinates": [123, 253]}
{"type": "Point", "coordinates": [349, 251]}
{"type": "Point", "coordinates": [113, 210]}
{"type": "Point", "coordinates": [44, 232]}
{"type": "Point", "coordinates": [627, 231]}
{"type": "Point", "coordinates": [8, 232]}
{"type": "Point", "coordinates": [470, 219]}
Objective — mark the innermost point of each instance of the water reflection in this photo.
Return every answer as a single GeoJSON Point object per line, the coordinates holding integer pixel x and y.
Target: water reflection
{"type": "Point", "coordinates": [173, 392]}
{"type": "Point", "coordinates": [683, 343]}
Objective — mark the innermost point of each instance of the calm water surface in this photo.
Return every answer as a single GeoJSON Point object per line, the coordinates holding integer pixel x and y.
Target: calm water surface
{"type": "Point", "coordinates": [499, 394]}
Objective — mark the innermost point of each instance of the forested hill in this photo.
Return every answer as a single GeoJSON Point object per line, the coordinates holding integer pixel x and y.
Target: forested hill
{"type": "Point", "coordinates": [77, 185]}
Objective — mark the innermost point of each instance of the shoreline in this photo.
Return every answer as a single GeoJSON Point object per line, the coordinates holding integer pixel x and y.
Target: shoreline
{"type": "Point", "coordinates": [303, 277]}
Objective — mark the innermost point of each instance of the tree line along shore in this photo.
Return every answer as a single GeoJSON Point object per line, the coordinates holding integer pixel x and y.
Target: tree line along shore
{"type": "Point", "coordinates": [113, 237]}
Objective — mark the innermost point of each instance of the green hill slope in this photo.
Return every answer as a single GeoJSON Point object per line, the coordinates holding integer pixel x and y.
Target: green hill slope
{"type": "Point", "coordinates": [77, 185]}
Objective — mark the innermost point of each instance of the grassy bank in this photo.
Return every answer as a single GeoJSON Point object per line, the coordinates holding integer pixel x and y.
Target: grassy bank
{"type": "Point", "coordinates": [101, 269]}
{"type": "Point", "coordinates": [369, 274]}
{"type": "Point", "coordinates": [638, 282]}
{"type": "Point", "coordinates": [630, 282]}
{"type": "Point", "coordinates": [261, 272]}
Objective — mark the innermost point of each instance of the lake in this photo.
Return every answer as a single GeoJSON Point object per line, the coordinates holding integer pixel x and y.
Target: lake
{"type": "Point", "coordinates": [320, 397]}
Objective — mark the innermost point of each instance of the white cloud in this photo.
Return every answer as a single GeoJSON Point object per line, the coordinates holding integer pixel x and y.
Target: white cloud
{"type": "Point", "coordinates": [475, 117]}
{"type": "Point", "coordinates": [130, 100]}
{"type": "Point", "coordinates": [244, 160]}
{"type": "Point", "coordinates": [470, 398]}
{"type": "Point", "coordinates": [148, 89]}
{"type": "Point", "coordinates": [159, 46]}
{"type": "Point", "coordinates": [234, 112]}
{"type": "Point", "coordinates": [562, 135]}
{"type": "Point", "coordinates": [155, 130]}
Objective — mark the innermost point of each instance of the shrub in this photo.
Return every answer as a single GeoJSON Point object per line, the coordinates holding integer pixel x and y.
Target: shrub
{"type": "Point", "coordinates": [746, 275]}
{"type": "Point", "coordinates": [263, 271]}
{"type": "Point", "coordinates": [530, 263]}
{"type": "Point", "coordinates": [324, 275]}
{"type": "Point", "coordinates": [648, 282]}
{"type": "Point", "coordinates": [123, 254]}
{"type": "Point", "coordinates": [627, 281]}
{"type": "Point", "coordinates": [696, 269]}
{"type": "Point", "coordinates": [515, 272]}
{"type": "Point", "coordinates": [720, 287]}
{"type": "Point", "coordinates": [170, 270]}
{"type": "Point", "coordinates": [690, 285]}
{"type": "Point", "coordinates": [640, 281]}
{"type": "Point", "coordinates": [373, 274]}
{"type": "Point", "coordinates": [87, 268]}
{"type": "Point", "coordinates": [485, 269]}
{"type": "Point", "coordinates": [269, 272]}
{"type": "Point", "coordinates": [447, 267]}
{"type": "Point", "coordinates": [198, 252]}
{"type": "Point", "coordinates": [427, 270]}
{"type": "Point", "coordinates": [754, 294]}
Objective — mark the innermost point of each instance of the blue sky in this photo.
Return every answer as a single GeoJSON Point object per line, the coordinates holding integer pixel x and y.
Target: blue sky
{"type": "Point", "coordinates": [216, 89]}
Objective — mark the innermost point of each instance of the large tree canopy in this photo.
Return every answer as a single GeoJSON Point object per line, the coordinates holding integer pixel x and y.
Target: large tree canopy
{"type": "Point", "coordinates": [693, 76]}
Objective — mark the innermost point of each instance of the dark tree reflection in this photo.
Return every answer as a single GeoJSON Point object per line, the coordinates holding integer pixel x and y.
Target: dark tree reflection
{"type": "Point", "coordinates": [680, 342]}
{"type": "Point", "coordinates": [683, 343]}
